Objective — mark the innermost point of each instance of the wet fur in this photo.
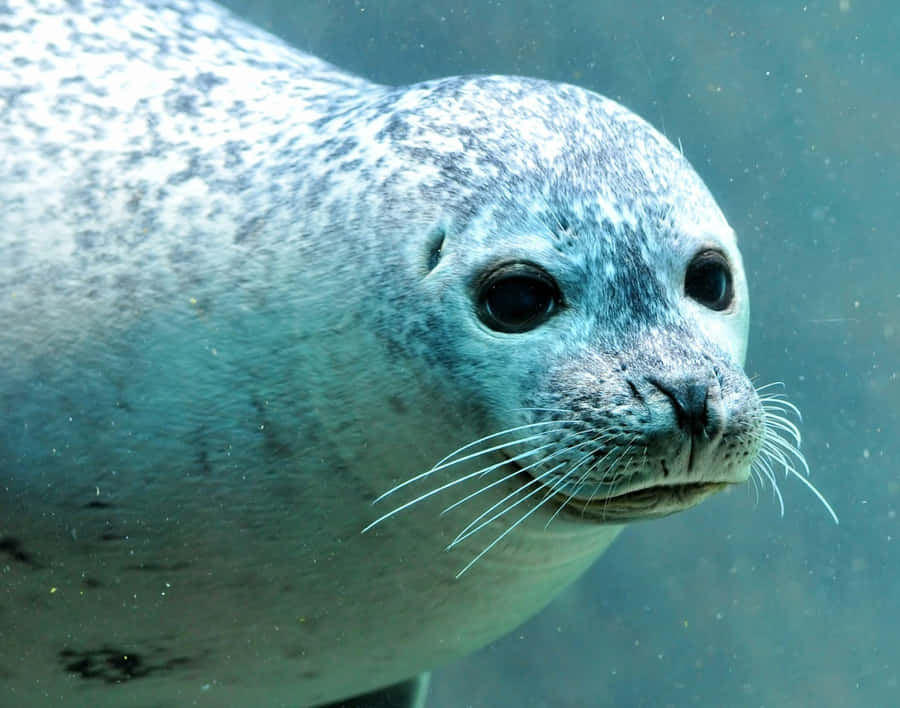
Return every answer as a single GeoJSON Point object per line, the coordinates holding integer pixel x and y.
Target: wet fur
{"type": "Point", "coordinates": [236, 301]}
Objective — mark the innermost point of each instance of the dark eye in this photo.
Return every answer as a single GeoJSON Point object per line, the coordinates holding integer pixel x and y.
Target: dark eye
{"type": "Point", "coordinates": [517, 298]}
{"type": "Point", "coordinates": [708, 281]}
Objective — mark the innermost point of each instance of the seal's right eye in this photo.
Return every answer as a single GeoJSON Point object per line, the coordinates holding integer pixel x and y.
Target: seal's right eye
{"type": "Point", "coordinates": [517, 298]}
{"type": "Point", "coordinates": [708, 281]}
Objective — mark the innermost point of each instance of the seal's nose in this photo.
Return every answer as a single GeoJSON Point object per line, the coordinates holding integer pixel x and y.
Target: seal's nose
{"type": "Point", "coordinates": [690, 398]}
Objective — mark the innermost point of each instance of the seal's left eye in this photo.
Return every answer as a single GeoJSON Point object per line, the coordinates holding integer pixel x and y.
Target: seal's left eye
{"type": "Point", "coordinates": [708, 281]}
{"type": "Point", "coordinates": [517, 298]}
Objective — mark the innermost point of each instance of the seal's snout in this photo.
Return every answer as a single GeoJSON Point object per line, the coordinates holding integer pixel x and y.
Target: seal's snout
{"type": "Point", "coordinates": [696, 405]}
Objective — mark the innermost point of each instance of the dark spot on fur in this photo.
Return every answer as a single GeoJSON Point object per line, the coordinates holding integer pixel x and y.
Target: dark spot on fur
{"type": "Point", "coordinates": [187, 173]}
{"type": "Point", "coordinates": [351, 166]}
{"type": "Point", "coordinates": [397, 404]}
{"type": "Point", "coordinates": [233, 153]}
{"type": "Point", "coordinates": [134, 201]}
{"type": "Point", "coordinates": [340, 148]}
{"type": "Point", "coordinates": [294, 652]}
{"type": "Point", "coordinates": [396, 129]}
{"type": "Point", "coordinates": [273, 446]}
{"type": "Point", "coordinates": [207, 80]}
{"type": "Point", "coordinates": [249, 229]}
{"type": "Point", "coordinates": [13, 548]}
{"type": "Point", "coordinates": [88, 239]}
{"type": "Point", "coordinates": [203, 462]}
{"type": "Point", "coordinates": [238, 109]}
{"type": "Point", "coordinates": [185, 103]}
{"type": "Point", "coordinates": [113, 665]}
{"type": "Point", "coordinates": [159, 567]}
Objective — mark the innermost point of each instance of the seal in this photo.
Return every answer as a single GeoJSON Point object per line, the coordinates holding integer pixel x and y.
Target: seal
{"type": "Point", "coordinates": [245, 295]}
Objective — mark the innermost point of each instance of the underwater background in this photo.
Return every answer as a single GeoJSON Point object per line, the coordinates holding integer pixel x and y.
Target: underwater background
{"type": "Point", "coordinates": [789, 111]}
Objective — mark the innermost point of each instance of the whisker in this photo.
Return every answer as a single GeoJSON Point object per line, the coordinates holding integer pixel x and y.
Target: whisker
{"type": "Point", "coordinates": [783, 424]}
{"type": "Point", "coordinates": [575, 488]}
{"type": "Point", "coordinates": [505, 533]}
{"type": "Point", "coordinates": [612, 492]}
{"type": "Point", "coordinates": [477, 473]}
{"type": "Point", "coordinates": [773, 384]}
{"type": "Point", "coordinates": [498, 434]}
{"type": "Point", "coordinates": [817, 493]}
{"type": "Point", "coordinates": [770, 475]}
{"type": "Point", "coordinates": [609, 471]}
{"type": "Point", "coordinates": [780, 445]}
{"type": "Point", "coordinates": [580, 483]}
{"type": "Point", "coordinates": [764, 470]}
{"type": "Point", "coordinates": [446, 462]}
{"type": "Point", "coordinates": [470, 531]}
{"type": "Point", "coordinates": [465, 532]}
{"type": "Point", "coordinates": [755, 484]}
{"type": "Point", "coordinates": [509, 476]}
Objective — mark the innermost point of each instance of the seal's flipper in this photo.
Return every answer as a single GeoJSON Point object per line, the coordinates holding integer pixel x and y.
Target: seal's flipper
{"type": "Point", "coordinates": [408, 694]}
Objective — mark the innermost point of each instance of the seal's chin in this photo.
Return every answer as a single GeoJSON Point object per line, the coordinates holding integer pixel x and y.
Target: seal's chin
{"type": "Point", "coordinates": [650, 502]}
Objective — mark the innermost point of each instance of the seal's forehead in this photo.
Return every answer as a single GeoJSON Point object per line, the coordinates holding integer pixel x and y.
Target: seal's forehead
{"type": "Point", "coordinates": [559, 142]}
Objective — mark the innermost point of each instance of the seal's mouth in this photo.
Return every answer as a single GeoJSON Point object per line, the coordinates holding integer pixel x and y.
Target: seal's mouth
{"type": "Point", "coordinates": [650, 502]}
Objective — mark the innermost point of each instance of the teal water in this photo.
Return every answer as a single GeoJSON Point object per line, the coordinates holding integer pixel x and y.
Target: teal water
{"type": "Point", "coordinates": [788, 111]}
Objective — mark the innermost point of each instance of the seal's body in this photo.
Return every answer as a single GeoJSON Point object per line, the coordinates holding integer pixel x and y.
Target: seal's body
{"type": "Point", "coordinates": [243, 295]}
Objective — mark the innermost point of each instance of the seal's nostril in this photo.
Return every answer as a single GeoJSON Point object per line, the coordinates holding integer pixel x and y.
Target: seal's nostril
{"type": "Point", "coordinates": [689, 398]}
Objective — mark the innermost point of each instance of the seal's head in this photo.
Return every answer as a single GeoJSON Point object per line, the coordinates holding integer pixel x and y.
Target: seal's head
{"type": "Point", "coordinates": [583, 288]}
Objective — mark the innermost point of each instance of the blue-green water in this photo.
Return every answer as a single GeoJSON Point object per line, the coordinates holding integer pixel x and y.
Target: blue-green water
{"type": "Point", "coordinates": [788, 110]}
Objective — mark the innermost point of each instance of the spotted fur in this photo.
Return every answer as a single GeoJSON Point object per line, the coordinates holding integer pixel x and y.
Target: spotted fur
{"type": "Point", "coordinates": [238, 296]}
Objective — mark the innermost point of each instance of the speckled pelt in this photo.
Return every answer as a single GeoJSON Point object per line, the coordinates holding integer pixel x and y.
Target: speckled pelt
{"type": "Point", "coordinates": [243, 294]}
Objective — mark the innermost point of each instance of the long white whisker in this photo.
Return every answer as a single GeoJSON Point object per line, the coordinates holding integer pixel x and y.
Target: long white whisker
{"type": "Point", "coordinates": [773, 384]}
{"type": "Point", "coordinates": [477, 473]}
{"type": "Point", "coordinates": [498, 434]}
{"type": "Point", "coordinates": [755, 485]}
{"type": "Point", "coordinates": [613, 491]}
{"type": "Point", "coordinates": [609, 471]}
{"type": "Point", "coordinates": [575, 487]}
{"type": "Point", "coordinates": [780, 423]}
{"type": "Point", "coordinates": [817, 493]}
{"type": "Point", "coordinates": [463, 534]}
{"type": "Point", "coordinates": [472, 528]}
{"type": "Point", "coordinates": [503, 535]}
{"type": "Point", "coordinates": [512, 474]}
{"type": "Point", "coordinates": [779, 402]}
{"type": "Point", "coordinates": [447, 462]}
{"type": "Point", "coordinates": [775, 490]}
{"type": "Point", "coordinates": [764, 469]}
{"type": "Point", "coordinates": [776, 448]}
{"type": "Point", "coordinates": [580, 483]}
